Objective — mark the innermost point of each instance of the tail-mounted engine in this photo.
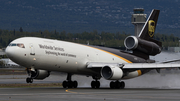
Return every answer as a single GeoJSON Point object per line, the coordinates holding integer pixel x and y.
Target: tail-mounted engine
{"type": "Point", "coordinates": [147, 47]}
{"type": "Point", "coordinates": [111, 72]}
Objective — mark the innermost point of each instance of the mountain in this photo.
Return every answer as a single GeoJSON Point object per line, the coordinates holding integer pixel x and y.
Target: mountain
{"type": "Point", "coordinates": [85, 15]}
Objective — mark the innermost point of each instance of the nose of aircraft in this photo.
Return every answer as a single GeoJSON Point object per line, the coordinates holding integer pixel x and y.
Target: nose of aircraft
{"type": "Point", "coordinates": [9, 52]}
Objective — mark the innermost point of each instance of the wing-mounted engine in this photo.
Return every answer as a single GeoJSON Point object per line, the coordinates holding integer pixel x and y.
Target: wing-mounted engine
{"type": "Point", "coordinates": [36, 74]}
{"type": "Point", "coordinates": [111, 72]}
{"type": "Point", "coordinates": [147, 47]}
{"type": "Point", "coordinates": [39, 74]}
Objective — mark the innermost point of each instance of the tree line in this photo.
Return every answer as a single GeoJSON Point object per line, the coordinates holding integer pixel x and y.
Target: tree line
{"type": "Point", "coordinates": [106, 39]}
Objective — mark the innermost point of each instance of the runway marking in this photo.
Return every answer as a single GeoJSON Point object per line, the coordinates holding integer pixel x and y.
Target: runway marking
{"type": "Point", "coordinates": [68, 91]}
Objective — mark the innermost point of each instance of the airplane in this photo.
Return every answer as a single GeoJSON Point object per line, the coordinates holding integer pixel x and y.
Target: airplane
{"type": "Point", "coordinates": [9, 63]}
{"type": "Point", "coordinates": [41, 56]}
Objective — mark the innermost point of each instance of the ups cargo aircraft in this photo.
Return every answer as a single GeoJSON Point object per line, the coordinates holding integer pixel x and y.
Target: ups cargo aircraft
{"type": "Point", "coordinates": [41, 56]}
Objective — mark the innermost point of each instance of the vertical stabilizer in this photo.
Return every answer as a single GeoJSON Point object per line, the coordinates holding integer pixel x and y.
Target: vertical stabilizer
{"type": "Point", "coordinates": [148, 30]}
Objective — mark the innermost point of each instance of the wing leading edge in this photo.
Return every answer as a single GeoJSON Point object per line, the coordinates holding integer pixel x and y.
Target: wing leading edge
{"type": "Point", "coordinates": [134, 65]}
{"type": "Point", "coordinates": [150, 65]}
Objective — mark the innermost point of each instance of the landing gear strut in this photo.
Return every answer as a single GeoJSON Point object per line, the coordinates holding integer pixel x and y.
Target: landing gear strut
{"type": "Point", "coordinates": [96, 83]}
{"type": "Point", "coordinates": [69, 83]}
{"type": "Point", "coordinates": [117, 85]}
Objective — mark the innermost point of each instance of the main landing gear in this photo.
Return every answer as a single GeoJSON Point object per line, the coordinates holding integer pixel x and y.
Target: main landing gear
{"type": "Point", "coordinates": [69, 83]}
{"type": "Point", "coordinates": [117, 85]}
{"type": "Point", "coordinates": [96, 83]}
{"type": "Point", "coordinates": [113, 85]}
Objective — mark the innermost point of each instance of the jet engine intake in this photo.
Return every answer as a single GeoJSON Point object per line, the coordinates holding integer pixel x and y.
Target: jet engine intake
{"type": "Point", "coordinates": [148, 47]}
{"type": "Point", "coordinates": [39, 74]}
{"type": "Point", "coordinates": [111, 72]}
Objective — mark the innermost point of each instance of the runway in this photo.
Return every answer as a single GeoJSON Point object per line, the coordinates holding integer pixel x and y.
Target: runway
{"type": "Point", "coordinates": [88, 94]}
{"type": "Point", "coordinates": [156, 87]}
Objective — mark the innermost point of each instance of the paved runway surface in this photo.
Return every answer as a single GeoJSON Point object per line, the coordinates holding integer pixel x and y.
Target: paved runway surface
{"type": "Point", "coordinates": [87, 94]}
{"type": "Point", "coordinates": [156, 87]}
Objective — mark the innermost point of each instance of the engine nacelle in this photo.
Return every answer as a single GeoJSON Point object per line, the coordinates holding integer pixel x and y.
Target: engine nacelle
{"type": "Point", "coordinates": [111, 72]}
{"type": "Point", "coordinates": [148, 47]}
{"type": "Point", "coordinates": [39, 74]}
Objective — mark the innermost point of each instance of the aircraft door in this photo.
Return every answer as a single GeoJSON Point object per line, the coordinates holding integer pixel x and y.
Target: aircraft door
{"type": "Point", "coordinates": [32, 52]}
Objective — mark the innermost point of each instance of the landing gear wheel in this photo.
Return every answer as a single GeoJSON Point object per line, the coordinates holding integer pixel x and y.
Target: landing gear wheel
{"type": "Point", "coordinates": [75, 84]}
{"type": "Point", "coordinates": [122, 85]}
{"type": "Point", "coordinates": [95, 84]}
{"type": "Point", "coordinates": [112, 85]}
{"type": "Point", "coordinates": [29, 80]}
{"type": "Point", "coordinates": [64, 84]}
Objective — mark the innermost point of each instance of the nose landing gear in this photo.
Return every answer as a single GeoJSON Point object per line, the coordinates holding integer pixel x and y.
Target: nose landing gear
{"type": "Point", "coordinates": [29, 80]}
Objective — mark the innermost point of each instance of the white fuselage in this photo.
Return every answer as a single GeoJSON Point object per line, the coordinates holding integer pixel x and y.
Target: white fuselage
{"type": "Point", "coordinates": [54, 55]}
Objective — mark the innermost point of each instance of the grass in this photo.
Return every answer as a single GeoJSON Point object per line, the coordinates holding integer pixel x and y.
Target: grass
{"type": "Point", "coordinates": [12, 71]}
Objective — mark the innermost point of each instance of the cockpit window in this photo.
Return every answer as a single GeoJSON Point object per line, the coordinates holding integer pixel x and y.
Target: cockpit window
{"type": "Point", "coordinates": [13, 44]}
{"type": "Point", "coordinates": [19, 45]}
{"type": "Point", "coordinates": [9, 45]}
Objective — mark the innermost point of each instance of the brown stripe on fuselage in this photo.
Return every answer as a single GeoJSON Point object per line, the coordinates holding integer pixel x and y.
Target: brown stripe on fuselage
{"type": "Point", "coordinates": [129, 58]}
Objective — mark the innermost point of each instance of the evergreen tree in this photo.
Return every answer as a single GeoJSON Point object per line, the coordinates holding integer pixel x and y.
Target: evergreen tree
{"type": "Point", "coordinates": [21, 30]}
{"type": "Point", "coordinates": [14, 32]}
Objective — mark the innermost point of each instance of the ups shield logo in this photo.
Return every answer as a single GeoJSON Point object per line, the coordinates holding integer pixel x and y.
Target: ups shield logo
{"type": "Point", "coordinates": [151, 28]}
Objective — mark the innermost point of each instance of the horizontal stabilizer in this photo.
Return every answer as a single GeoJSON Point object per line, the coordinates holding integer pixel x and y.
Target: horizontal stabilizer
{"type": "Point", "coordinates": [171, 61]}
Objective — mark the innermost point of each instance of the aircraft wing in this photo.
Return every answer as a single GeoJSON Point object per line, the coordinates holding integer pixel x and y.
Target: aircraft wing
{"type": "Point", "coordinates": [101, 64]}
{"type": "Point", "coordinates": [150, 65]}
{"type": "Point", "coordinates": [134, 65]}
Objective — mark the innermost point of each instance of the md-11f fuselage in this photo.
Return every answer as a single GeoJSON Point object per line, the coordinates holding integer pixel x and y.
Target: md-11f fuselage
{"type": "Point", "coordinates": [54, 55]}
